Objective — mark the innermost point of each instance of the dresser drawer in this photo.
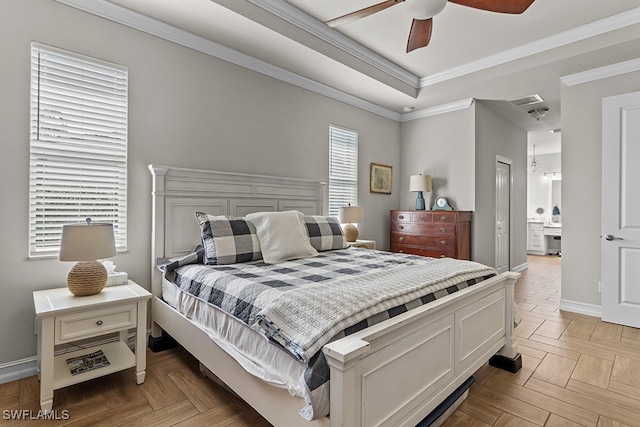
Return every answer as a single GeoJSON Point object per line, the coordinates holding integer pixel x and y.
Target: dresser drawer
{"type": "Point", "coordinates": [401, 217]}
{"type": "Point", "coordinates": [447, 217]}
{"type": "Point", "coordinates": [72, 327]}
{"type": "Point", "coordinates": [423, 228]}
{"type": "Point", "coordinates": [427, 241]}
{"type": "Point", "coordinates": [448, 252]}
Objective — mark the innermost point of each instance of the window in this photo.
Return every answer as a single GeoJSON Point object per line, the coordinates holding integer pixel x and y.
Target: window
{"type": "Point", "coordinates": [78, 146]}
{"type": "Point", "coordinates": [343, 169]}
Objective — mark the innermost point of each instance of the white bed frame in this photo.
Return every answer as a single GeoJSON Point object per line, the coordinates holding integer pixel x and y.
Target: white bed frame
{"type": "Point", "coordinates": [393, 373]}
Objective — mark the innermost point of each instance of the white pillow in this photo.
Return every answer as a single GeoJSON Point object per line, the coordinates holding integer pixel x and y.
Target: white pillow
{"type": "Point", "coordinates": [282, 235]}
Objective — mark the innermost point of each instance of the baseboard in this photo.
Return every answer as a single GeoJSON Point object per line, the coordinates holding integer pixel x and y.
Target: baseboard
{"type": "Point", "coordinates": [581, 308]}
{"type": "Point", "coordinates": [18, 369]}
{"type": "Point", "coordinates": [520, 268]}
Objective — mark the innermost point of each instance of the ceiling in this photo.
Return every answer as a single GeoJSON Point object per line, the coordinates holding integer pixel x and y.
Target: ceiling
{"type": "Point", "coordinates": [473, 54]}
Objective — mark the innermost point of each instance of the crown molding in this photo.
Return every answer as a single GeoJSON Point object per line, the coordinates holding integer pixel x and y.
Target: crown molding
{"type": "Point", "coordinates": [439, 109]}
{"type": "Point", "coordinates": [573, 35]}
{"type": "Point", "coordinates": [107, 10]}
{"type": "Point", "coordinates": [300, 19]}
{"type": "Point", "coordinates": [612, 70]}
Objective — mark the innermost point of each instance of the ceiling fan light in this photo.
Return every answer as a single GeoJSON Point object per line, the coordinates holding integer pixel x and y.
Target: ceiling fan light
{"type": "Point", "coordinates": [425, 9]}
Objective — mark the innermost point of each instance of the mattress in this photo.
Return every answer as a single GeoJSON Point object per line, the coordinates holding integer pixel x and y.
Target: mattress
{"type": "Point", "coordinates": [251, 349]}
{"type": "Point", "coordinates": [227, 302]}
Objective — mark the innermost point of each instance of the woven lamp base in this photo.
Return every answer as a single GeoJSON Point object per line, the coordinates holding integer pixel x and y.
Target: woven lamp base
{"type": "Point", "coordinates": [87, 278]}
{"type": "Point", "coordinates": [350, 232]}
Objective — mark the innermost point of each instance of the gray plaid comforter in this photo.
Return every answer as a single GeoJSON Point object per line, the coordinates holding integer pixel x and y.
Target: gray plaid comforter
{"type": "Point", "coordinates": [252, 293]}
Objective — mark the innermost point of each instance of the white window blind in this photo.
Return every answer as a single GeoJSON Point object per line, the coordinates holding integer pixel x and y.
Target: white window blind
{"type": "Point", "coordinates": [343, 169]}
{"type": "Point", "coordinates": [78, 146]}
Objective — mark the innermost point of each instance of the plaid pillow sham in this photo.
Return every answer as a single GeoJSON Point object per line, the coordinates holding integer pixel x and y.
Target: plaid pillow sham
{"type": "Point", "coordinates": [325, 233]}
{"type": "Point", "coordinates": [228, 240]}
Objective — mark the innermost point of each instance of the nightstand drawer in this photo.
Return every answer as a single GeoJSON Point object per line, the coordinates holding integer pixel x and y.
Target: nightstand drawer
{"type": "Point", "coordinates": [77, 326]}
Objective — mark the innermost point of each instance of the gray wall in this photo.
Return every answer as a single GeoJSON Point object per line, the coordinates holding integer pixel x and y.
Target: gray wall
{"type": "Point", "coordinates": [458, 149]}
{"type": "Point", "coordinates": [185, 109]}
{"type": "Point", "coordinates": [582, 184]}
{"type": "Point", "coordinates": [497, 137]}
{"type": "Point", "coordinates": [442, 146]}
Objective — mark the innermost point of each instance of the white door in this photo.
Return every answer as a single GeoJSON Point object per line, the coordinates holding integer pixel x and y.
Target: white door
{"type": "Point", "coordinates": [621, 209]}
{"type": "Point", "coordinates": [503, 212]}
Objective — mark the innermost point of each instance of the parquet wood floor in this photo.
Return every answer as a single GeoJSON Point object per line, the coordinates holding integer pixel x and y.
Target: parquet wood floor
{"type": "Point", "coordinates": [577, 371]}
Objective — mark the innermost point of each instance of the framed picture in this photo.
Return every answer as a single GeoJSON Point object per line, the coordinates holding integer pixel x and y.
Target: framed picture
{"type": "Point", "coordinates": [380, 181]}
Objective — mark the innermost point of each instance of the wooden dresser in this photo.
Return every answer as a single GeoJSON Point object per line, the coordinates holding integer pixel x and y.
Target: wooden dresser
{"type": "Point", "coordinates": [435, 234]}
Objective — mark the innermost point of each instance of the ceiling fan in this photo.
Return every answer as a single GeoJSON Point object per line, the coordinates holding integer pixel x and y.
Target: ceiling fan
{"type": "Point", "coordinates": [423, 12]}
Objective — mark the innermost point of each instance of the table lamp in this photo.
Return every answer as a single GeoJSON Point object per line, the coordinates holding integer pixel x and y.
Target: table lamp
{"type": "Point", "coordinates": [87, 243]}
{"type": "Point", "coordinates": [348, 215]}
{"type": "Point", "coordinates": [420, 183]}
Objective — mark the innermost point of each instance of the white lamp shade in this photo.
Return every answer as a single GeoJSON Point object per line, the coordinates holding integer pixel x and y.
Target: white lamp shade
{"type": "Point", "coordinates": [350, 214]}
{"type": "Point", "coordinates": [425, 9]}
{"type": "Point", "coordinates": [84, 242]}
{"type": "Point", "coordinates": [420, 183]}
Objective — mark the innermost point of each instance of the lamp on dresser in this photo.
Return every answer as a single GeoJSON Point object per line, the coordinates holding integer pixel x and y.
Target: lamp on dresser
{"type": "Point", "coordinates": [421, 183]}
{"type": "Point", "coordinates": [350, 215]}
{"type": "Point", "coordinates": [87, 243]}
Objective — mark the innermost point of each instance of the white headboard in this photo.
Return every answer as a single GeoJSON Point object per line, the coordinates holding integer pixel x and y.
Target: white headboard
{"type": "Point", "coordinates": [179, 192]}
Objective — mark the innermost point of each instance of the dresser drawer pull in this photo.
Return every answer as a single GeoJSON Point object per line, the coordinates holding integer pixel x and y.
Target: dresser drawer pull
{"type": "Point", "coordinates": [443, 256]}
{"type": "Point", "coordinates": [443, 242]}
{"type": "Point", "coordinates": [444, 218]}
{"type": "Point", "coordinates": [443, 229]}
{"type": "Point", "coordinates": [400, 251]}
{"type": "Point", "coordinates": [400, 216]}
{"type": "Point", "coordinates": [401, 227]}
{"type": "Point", "coordinates": [400, 239]}
{"type": "Point", "coordinates": [99, 322]}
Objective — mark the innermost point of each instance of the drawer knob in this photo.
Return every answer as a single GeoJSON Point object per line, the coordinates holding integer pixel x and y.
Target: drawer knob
{"type": "Point", "coordinates": [99, 322]}
{"type": "Point", "coordinates": [443, 229]}
{"type": "Point", "coordinates": [443, 256]}
{"type": "Point", "coordinates": [443, 242]}
{"type": "Point", "coordinates": [401, 239]}
{"type": "Point", "coordinates": [401, 251]}
{"type": "Point", "coordinates": [401, 216]}
{"type": "Point", "coordinates": [444, 218]}
{"type": "Point", "coordinates": [401, 227]}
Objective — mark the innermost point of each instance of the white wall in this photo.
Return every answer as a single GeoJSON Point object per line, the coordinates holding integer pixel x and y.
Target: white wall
{"type": "Point", "coordinates": [185, 109]}
{"type": "Point", "coordinates": [582, 184]}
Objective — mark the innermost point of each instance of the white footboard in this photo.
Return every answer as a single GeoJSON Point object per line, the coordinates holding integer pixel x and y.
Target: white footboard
{"type": "Point", "coordinates": [397, 372]}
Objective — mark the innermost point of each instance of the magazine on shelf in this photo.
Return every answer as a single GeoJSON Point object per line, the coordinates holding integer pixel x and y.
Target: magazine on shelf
{"type": "Point", "coordinates": [87, 362]}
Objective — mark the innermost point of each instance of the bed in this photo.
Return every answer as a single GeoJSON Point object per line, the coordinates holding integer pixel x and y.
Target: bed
{"type": "Point", "coordinates": [394, 372]}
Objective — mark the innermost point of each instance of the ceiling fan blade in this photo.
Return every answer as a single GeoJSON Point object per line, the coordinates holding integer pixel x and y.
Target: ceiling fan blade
{"type": "Point", "coordinates": [362, 13]}
{"type": "Point", "coordinates": [420, 34]}
{"type": "Point", "coordinates": [501, 6]}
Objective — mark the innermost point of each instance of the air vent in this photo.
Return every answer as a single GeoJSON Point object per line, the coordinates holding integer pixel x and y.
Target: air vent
{"type": "Point", "coordinates": [526, 100]}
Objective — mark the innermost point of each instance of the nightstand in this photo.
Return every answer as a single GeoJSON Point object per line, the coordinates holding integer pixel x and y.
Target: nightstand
{"type": "Point", "coordinates": [65, 318]}
{"type": "Point", "coordinates": [367, 244]}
